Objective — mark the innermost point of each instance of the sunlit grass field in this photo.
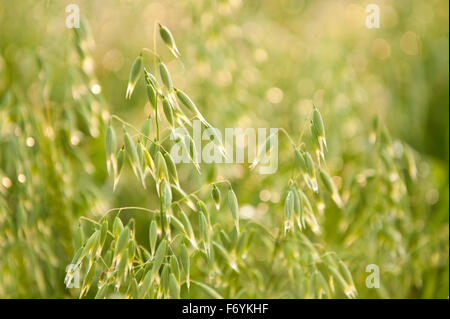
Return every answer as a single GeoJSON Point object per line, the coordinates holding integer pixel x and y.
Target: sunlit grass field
{"type": "Point", "coordinates": [358, 206]}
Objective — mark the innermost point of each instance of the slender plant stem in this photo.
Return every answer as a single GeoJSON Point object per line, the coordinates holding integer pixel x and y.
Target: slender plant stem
{"type": "Point", "coordinates": [120, 209]}
{"type": "Point", "coordinates": [287, 135]}
{"type": "Point", "coordinates": [154, 68]}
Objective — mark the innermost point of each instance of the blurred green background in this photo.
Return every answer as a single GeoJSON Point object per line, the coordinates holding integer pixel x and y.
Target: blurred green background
{"type": "Point", "coordinates": [246, 64]}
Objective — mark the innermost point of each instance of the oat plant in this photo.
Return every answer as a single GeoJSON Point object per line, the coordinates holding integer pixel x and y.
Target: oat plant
{"type": "Point", "coordinates": [197, 245]}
